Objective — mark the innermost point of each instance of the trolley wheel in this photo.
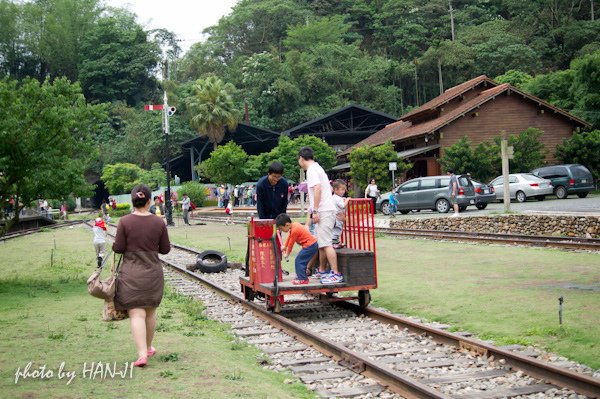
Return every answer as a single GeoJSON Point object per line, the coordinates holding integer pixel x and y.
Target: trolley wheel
{"type": "Point", "coordinates": [249, 294]}
{"type": "Point", "coordinates": [364, 298]}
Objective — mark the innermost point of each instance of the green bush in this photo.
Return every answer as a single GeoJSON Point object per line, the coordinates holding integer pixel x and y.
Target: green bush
{"type": "Point", "coordinates": [196, 191]}
{"type": "Point", "coordinates": [124, 206]}
{"type": "Point", "coordinates": [55, 204]}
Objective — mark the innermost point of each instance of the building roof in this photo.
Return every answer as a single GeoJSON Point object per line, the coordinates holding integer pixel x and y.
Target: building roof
{"type": "Point", "coordinates": [402, 129]}
{"type": "Point", "coordinates": [449, 95]}
{"type": "Point", "coordinates": [353, 119]}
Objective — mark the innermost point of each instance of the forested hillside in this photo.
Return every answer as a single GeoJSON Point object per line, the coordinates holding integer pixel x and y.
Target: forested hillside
{"type": "Point", "coordinates": [293, 60]}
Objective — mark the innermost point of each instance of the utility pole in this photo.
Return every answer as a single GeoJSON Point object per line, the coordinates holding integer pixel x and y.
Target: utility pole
{"type": "Point", "coordinates": [452, 19]}
{"type": "Point", "coordinates": [416, 84]}
{"type": "Point", "coordinates": [439, 65]}
{"type": "Point", "coordinates": [166, 113]}
{"type": "Point", "coordinates": [505, 172]}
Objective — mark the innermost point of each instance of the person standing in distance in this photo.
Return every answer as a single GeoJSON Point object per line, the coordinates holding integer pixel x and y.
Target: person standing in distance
{"type": "Point", "coordinates": [272, 193]}
{"type": "Point", "coordinates": [323, 213]}
{"type": "Point", "coordinates": [185, 206]}
{"type": "Point", "coordinates": [453, 191]}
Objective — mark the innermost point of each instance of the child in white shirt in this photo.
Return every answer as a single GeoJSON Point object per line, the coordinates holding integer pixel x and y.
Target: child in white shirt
{"type": "Point", "coordinates": [339, 189]}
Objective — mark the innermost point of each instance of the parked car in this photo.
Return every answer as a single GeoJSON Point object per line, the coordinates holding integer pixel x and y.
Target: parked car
{"type": "Point", "coordinates": [568, 179]}
{"type": "Point", "coordinates": [484, 194]}
{"type": "Point", "coordinates": [428, 193]}
{"type": "Point", "coordinates": [523, 186]}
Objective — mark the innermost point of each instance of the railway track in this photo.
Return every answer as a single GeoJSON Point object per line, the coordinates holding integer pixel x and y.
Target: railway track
{"type": "Point", "coordinates": [571, 243]}
{"type": "Point", "coordinates": [25, 232]}
{"type": "Point", "coordinates": [339, 350]}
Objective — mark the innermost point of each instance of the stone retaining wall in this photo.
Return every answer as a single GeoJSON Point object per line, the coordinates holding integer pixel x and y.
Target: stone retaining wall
{"type": "Point", "coordinates": [540, 225]}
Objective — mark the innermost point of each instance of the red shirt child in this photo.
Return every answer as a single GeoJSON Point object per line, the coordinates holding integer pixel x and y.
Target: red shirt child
{"type": "Point", "coordinates": [298, 233]}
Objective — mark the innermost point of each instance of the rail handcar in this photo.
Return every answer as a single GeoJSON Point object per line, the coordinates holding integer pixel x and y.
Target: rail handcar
{"type": "Point", "coordinates": [357, 261]}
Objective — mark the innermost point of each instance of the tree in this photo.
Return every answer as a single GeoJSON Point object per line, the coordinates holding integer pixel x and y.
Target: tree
{"type": "Point", "coordinates": [287, 150]}
{"type": "Point", "coordinates": [582, 148]}
{"type": "Point", "coordinates": [324, 30]}
{"type": "Point", "coordinates": [212, 108]}
{"type": "Point", "coordinates": [529, 151]}
{"type": "Point", "coordinates": [368, 162]}
{"type": "Point", "coordinates": [196, 191]}
{"type": "Point", "coordinates": [482, 162]}
{"type": "Point", "coordinates": [45, 144]}
{"type": "Point", "coordinates": [585, 90]}
{"type": "Point", "coordinates": [226, 164]}
{"type": "Point", "coordinates": [118, 60]}
{"type": "Point", "coordinates": [516, 78]}
{"type": "Point", "coordinates": [120, 178]}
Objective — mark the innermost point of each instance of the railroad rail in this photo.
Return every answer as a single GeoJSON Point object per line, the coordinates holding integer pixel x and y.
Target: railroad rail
{"type": "Point", "coordinates": [24, 232]}
{"type": "Point", "coordinates": [397, 354]}
{"type": "Point", "coordinates": [592, 244]}
{"type": "Point", "coordinates": [572, 243]}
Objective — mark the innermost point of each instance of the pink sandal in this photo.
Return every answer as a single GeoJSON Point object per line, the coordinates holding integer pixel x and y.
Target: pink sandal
{"type": "Point", "coordinates": [151, 351]}
{"type": "Point", "coordinates": [141, 362]}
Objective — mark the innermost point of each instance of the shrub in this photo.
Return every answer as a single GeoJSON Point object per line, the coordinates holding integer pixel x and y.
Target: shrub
{"type": "Point", "coordinates": [196, 191]}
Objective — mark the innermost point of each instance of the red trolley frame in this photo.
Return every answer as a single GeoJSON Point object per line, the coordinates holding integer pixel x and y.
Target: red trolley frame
{"type": "Point", "coordinates": [264, 260]}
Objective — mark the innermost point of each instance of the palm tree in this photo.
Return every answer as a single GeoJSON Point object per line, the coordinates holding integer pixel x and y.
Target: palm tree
{"type": "Point", "coordinates": [212, 108]}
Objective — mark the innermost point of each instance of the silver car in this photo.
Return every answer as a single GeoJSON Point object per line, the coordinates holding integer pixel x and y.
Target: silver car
{"type": "Point", "coordinates": [523, 186]}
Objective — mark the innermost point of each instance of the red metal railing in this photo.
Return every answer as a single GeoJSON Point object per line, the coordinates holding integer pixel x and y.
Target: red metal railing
{"type": "Point", "coordinates": [359, 226]}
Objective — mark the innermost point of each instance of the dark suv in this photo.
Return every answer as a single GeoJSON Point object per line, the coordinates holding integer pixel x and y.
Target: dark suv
{"type": "Point", "coordinates": [567, 179]}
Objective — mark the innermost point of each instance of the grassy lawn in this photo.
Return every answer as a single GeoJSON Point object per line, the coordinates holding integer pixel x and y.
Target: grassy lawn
{"type": "Point", "coordinates": [508, 294]}
{"type": "Point", "coordinates": [48, 318]}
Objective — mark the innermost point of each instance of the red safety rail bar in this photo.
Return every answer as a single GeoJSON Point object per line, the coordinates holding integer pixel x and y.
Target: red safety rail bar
{"type": "Point", "coordinates": [359, 226]}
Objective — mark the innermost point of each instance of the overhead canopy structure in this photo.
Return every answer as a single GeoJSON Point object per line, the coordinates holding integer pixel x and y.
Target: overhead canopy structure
{"type": "Point", "coordinates": [344, 127]}
{"type": "Point", "coordinates": [254, 140]}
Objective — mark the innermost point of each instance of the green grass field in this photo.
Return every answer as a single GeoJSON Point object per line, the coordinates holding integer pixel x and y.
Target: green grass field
{"type": "Point", "coordinates": [48, 318]}
{"type": "Point", "coordinates": [509, 294]}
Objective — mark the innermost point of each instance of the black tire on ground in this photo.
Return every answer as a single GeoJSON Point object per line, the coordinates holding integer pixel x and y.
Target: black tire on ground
{"type": "Point", "coordinates": [481, 206]}
{"type": "Point", "coordinates": [405, 212]}
{"type": "Point", "coordinates": [364, 298]}
{"type": "Point", "coordinates": [561, 192]}
{"type": "Point", "coordinates": [212, 262]}
{"type": "Point", "coordinates": [462, 208]}
{"type": "Point", "coordinates": [540, 197]}
{"type": "Point", "coordinates": [442, 205]}
{"type": "Point", "coordinates": [520, 196]}
{"type": "Point", "coordinates": [385, 207]}
{"type": "Point", "coordinates": [582, 195]}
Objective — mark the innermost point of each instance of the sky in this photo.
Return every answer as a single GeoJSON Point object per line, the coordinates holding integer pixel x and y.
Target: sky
{"type": "Point", "coordinates": [187, 18]}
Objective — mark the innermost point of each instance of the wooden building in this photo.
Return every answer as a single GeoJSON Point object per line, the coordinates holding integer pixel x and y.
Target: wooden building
{"type": "Point", "coordinates": [480, 109]}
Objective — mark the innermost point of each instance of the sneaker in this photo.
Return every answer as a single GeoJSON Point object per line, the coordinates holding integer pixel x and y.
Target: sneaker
{"type": "Point", "coordinates": [333, 278]}
{"type": "Point", "coordinates": [455, 215]}
{"type": "Point", "coordinates": [299, 282]}
{"type": "Point", "coordinates": [319, 274]}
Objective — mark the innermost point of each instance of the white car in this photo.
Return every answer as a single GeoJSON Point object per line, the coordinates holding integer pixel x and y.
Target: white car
{"type": "Point", "coordinates": [523, 186]}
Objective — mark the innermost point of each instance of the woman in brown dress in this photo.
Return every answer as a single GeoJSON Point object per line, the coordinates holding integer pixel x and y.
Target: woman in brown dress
{"type": "Point", "coordinates": [140, 238]}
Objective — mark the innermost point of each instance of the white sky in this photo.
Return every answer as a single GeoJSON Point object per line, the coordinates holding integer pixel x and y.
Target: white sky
{"type": "Point", "coordinates": [187, 18]}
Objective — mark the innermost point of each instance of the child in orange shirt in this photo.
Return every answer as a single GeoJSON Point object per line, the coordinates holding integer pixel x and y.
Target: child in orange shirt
{"type": "Point", "coordinates": [298, 233]}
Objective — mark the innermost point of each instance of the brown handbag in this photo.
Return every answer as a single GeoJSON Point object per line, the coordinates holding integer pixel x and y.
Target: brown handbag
{"type": "Point", "coordinates": [109, 313]}
{"type": "Point", "coordinates": [104, 289]}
